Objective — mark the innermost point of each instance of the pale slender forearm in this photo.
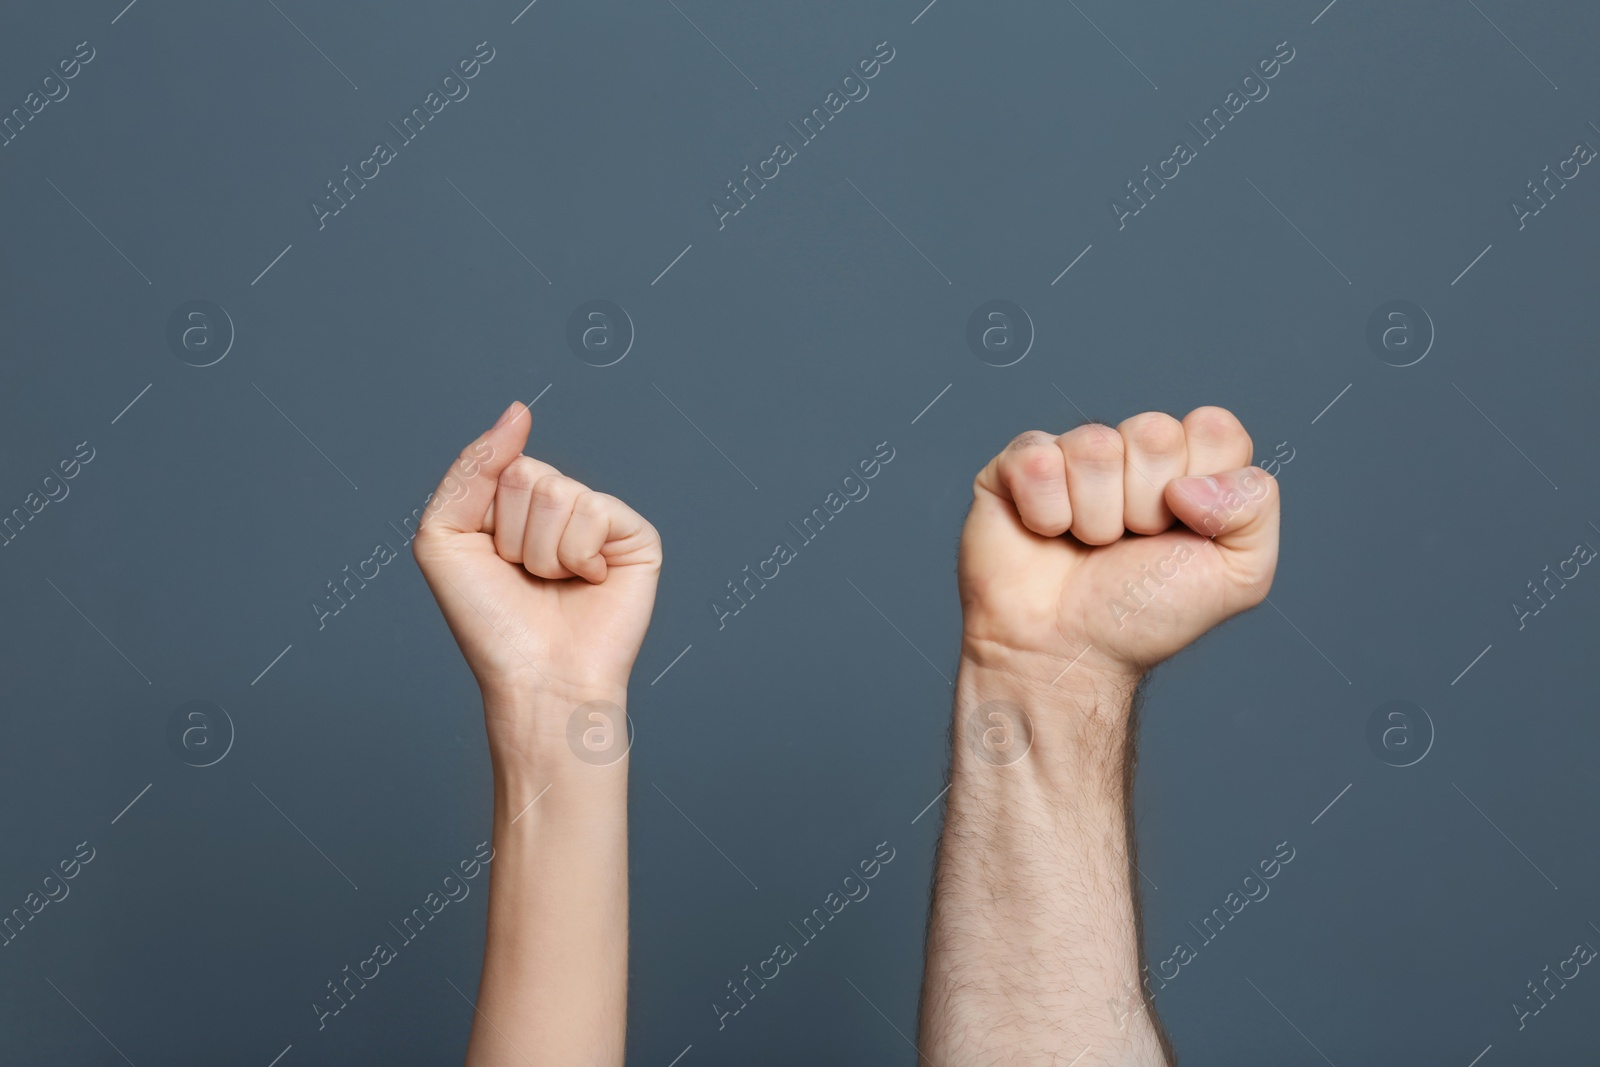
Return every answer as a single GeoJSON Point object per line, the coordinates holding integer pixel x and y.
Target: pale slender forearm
{"type": "Point", "coordinates": [1033, 953]}
{"type": "Point", "coordinates": [555, 969]}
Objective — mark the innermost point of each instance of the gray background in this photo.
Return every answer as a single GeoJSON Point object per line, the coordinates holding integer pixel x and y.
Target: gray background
{"type": "Point", "coordinates": [814, 726]}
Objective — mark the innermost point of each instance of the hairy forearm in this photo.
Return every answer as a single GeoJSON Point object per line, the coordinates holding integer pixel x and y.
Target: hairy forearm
{"type": "Point", "coordinates": [1033, 947]}
{"type": "Point", "coordinates": [555, 969]}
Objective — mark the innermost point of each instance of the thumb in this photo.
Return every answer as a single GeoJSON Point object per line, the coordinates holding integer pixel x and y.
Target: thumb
{"type": "Point", "coordinates": [461, 503]}
{"type": "Point", "coordinates": [1238, 511]}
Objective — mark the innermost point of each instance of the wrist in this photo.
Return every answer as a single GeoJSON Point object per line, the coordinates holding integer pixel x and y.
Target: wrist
{"type": "Point", "coordinates": [572, 739]}
{"type": "Point", "coordinates": [1013, 706]}
{"type": "Point", "coordinates": [1086, 667]}
{"type": "Point", "coordinates": [531, 687]}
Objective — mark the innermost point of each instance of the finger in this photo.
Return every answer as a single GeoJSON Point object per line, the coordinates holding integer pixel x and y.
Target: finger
{"type": "Point", "coordinates": [461, 502]}
{"type": "Point", "coordinates": [1031, 474]}
{"type": "Point", "coordinates": [1238, 510]}
{"type": "Point", "coordinates": [1154, 442]}
{"type": "Point", "coordinates": [548, 513]}
{"type": "Point", "coordinates": [1094, 482]}
{"type": "Point", "coordinates": [508, 515]}
{"type": "Point", "coordinates": [598, 521]}
{"type": "Point", "coordinates": [1216, 441]}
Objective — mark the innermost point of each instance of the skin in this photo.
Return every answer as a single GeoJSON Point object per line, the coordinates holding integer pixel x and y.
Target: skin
{"type": "Point", "coordinates": [548, 588]}
{"type": "Point", "coordinates": [1033, 952]}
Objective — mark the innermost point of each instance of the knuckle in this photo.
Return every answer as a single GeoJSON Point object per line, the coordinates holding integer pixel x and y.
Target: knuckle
{"type": "Point", "coordinates": [1029, 439]}
{"type": "Point", "coordinates": [1212, 424]}
{"type": "Point", "coordinates": [425, 541]}
{"type": "Point", "coordinates": [1040, 464]}
{"type": "Point", "coordinates": [521, 474]}
{"type": "Point", "coordinates": [591, 505]}
{"type": "Point", "coordinates": [554, 490]}
{"type": "Point", "coordinates": [1154, 432]}
{"type": "Point", "coordinates": [1096, 444]}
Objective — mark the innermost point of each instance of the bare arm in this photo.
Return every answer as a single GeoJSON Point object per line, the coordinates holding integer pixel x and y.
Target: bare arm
{"type": "Point", "coordinates": [548, 588]}
{"type": "Point", "coordinates": [1033, 954]}
{"type": "Point", "coordinates": [1033, 947]}
{"type": "Point", "coordinates": [555, 965]}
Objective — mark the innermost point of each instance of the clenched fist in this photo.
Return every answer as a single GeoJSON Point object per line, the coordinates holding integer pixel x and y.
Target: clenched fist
{"type": "Point", "coordinates": [1108, 550]}
{"type": "Point", "coordinates": [546, 584]}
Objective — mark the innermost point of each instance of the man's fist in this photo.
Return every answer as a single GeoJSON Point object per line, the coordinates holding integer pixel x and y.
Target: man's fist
{"type": "Point", "coordinates": [546, 584]}
{"type": "Point", "coordinates": [1117, 547]}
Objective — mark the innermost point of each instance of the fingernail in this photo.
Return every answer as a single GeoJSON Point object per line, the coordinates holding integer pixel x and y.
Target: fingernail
{"type": "Point", "coordinates": [1203, 489]}
{"type": "Point", "coordinates": [505, 416]}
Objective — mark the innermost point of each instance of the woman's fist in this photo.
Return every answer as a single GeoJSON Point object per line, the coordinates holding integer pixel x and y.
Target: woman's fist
{"type": "Point", "coordinates": [546, 584]}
